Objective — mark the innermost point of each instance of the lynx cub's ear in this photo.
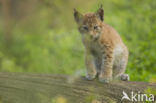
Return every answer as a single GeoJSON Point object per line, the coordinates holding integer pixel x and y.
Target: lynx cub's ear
{"type": "Point", "coordinates": [78, 16]}
{"type": "Point", "coordinates": [100, 13]}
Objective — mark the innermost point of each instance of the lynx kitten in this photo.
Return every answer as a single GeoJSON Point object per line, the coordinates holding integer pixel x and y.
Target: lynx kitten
{"type": "Point", "coordinates": [106, 55]}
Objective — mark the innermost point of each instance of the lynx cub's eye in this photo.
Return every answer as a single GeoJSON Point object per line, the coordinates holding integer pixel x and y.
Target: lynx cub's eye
{"type": "Point", "coordinates": [85, 28]}
{"type": "Point", "coordinates": [96, 27]}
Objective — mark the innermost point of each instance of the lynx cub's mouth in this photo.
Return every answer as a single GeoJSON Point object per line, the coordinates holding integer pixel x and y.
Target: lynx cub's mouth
{"type": "Point", "coordinates": [97, 35]}
{"type": "Point", "coordinates": [91, 37]}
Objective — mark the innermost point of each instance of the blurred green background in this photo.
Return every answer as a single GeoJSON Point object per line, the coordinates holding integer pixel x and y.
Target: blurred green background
{"type": "Point", "coordinates": [41, 35]}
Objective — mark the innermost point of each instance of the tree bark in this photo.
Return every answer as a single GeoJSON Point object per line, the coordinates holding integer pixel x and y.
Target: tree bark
{"type": "Point", "coordinates": [47, 88]}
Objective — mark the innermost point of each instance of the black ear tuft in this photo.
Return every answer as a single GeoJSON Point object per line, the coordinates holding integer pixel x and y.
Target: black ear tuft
{"type": "Point", "coordinates": [75, 12]}
{"type": "Point", "coordinates": [78, 16]}
{"type": "Point", "coordinates": [100, 13]}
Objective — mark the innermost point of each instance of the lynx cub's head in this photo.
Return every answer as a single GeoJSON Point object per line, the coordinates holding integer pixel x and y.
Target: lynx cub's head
{"type": "Point", "coordinates": [90, 24]}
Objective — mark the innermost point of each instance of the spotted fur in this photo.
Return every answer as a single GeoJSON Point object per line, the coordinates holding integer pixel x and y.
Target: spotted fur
{"type": "Point", "coordinates": [106, 55]}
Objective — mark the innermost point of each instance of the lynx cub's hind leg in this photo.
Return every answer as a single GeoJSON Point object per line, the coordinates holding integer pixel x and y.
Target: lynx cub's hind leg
{"type": "Point", "coordinates": [120, 63]}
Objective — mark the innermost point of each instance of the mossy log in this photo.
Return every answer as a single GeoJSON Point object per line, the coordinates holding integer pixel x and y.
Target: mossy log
{"type": "Point", "coordinates": [48, 88]}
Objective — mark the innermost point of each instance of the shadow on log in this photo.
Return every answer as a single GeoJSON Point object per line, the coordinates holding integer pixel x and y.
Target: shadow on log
{"type": "Point", "coordinates": [46, 88]}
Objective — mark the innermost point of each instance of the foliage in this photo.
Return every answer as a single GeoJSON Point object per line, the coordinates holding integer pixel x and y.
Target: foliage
{"type": "Point", "coordinates": [46, 40]}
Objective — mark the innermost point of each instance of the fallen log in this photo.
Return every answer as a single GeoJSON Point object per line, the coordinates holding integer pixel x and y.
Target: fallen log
{"type": "Point", "coordinates": [49, 88]}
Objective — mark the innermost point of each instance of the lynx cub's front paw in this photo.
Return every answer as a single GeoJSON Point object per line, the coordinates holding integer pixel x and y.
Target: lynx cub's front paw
{"type": "Point", "coordinates": [90, 77]}
{"type": "Point", "coordinates": [105, 79]}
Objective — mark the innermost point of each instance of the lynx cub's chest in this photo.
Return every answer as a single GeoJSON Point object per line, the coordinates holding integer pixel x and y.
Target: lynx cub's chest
{"type": "Point", "coordinates": [92, 45]}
